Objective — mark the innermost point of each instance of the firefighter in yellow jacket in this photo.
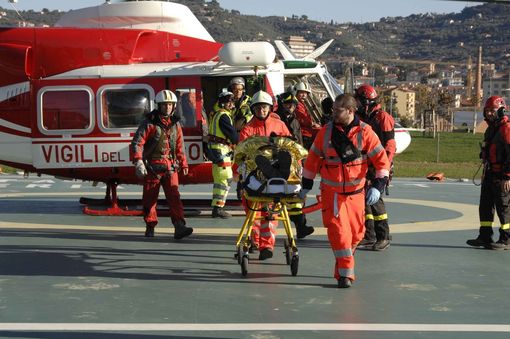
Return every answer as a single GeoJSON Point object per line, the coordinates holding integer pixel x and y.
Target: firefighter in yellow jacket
{"type": "Point", "coordinates": [222, 138]}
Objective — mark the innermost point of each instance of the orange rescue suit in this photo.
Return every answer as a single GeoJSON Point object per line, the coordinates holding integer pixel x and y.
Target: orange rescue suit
{"type": "Point", "coordinates": [342, 187]}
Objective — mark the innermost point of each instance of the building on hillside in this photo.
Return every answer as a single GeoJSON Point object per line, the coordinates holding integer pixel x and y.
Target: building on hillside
{"type": "Point", "coordinates": [390, 79]}
{"type": "Point", "coordinates": [405, 102]}
{"type": "Point", "coordinates": [299, 46]}
{"type": "Point", "coordinates": [360, 80]}
{"type": "Point", "coordinates": [497, 85]}
{"type": "Point", "coordinates": [413, 77]}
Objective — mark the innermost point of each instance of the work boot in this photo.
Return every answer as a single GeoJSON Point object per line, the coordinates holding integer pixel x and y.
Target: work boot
{"type": "Point", "coordinates": [344, 282]}
{"type": "Point", "coordinates": [284, 163]}
{"type": "Point", "coordinates": [366, 243]}
{"type": "Point", "coordinates": [219, 212]}
{"type": "Point", "coordinates": [181, 230]}
{"type": "Point", "coordinates": [480, 241]}
{"type": "Point", "coordinates": [304, 231]}
{"type": "Point", "coordinates": [501, 245]}
{"type": "Point", "coordinates": [265, 253]}
{"type": "Point", "coordinates": [149, 231]}
{"type": "Point", "coordinates": [381, 245]}
{"type": "Point", "coordinates": [266, 167]}
{"type": "Point", "coordinates": [301, 229]}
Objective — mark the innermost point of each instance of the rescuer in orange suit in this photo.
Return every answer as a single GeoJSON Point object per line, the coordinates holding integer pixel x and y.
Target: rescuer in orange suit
{"type": "Point", "coordinates": [340, 153]}
{"type": "Point", "coordinates": [377, 229]}
{"type": "Point", "coordinates": [495, 190]}
{"type": "Point", "coordinates": [302, 90]}
{"type": "Point", "coordinates": [157, 150]}
{"type": "Point", "coordinates": [264, 123]}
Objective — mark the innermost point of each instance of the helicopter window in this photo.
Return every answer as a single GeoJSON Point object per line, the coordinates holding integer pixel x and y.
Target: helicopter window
{"type": "Point", "coordinates": [66, 110]}
{"type": "Point", "coordinates": [124, 107]}
{"type": "Point", "coordinates": [186, 106]}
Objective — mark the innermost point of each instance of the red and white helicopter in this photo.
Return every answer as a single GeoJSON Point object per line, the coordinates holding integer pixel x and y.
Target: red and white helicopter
{"type": "Point", "coordinates": [71, 96]}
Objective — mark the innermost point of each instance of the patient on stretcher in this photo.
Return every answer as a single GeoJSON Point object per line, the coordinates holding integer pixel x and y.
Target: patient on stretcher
{"type": "Point", "coordinates": [270, 165]}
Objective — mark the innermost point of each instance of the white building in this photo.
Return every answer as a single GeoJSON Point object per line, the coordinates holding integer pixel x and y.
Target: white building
{"type": "Point", "coordinates": [300, 47]}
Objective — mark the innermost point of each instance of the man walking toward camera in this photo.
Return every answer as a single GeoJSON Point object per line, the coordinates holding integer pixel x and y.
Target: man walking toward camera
{"type": "Point", "coordinates": [340, 153]}
{"type": "Point", "coordinates": [157, 149]}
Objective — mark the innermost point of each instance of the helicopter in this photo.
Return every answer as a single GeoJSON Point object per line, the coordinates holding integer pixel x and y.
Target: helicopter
{"type": "Point", "coordinates": [72, 95]}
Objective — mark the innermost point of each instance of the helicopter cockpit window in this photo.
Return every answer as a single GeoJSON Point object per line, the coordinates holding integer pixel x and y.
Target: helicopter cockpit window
{"type": "Point", "coordinates": [65, 110]}
{"type": "Point", "coordinates": [186, 106]}
{"type": "Point", "coordinates": [124, 107]}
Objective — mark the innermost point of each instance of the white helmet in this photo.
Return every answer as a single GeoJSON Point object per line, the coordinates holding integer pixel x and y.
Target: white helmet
{"type": "Point", "coordinates": [165, 96]}
{"type": "Point", "coordinates": [261, 97]}
{"type": "Point", "coordinates": [225, 97]}
{"type": "Point", "coordinates": [237, 81]}
{"type": "Point", "coordinates": [302, 86]}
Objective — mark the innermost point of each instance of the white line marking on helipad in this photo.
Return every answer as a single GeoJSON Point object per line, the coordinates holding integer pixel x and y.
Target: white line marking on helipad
{"type": "Point", "coordinates": [360, 327]}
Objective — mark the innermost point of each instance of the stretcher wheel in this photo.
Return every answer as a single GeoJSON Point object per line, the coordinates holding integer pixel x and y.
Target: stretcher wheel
{"type": "Point", "coordinates": [288, 252]}
{"type": "Point", "coordinates": [244, 265]}
{"type": "Point", "coordinates": [288, 255]}
{"type": "Point", "coordinates": [294, 264]}
{"type": "Point", "coordinates": [239, 255]}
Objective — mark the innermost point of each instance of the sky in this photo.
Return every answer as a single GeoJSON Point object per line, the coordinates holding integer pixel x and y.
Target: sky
{"type": "Point", "coordinates": [340, 11]}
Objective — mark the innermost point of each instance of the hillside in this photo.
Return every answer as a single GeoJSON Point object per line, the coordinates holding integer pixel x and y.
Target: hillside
{"type": "Point", "coordinates": [450, 37]}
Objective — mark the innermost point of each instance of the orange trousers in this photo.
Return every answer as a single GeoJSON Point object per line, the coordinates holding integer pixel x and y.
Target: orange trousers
{"type": "Point", "coordinates": [263, 232]}
{"type": "Point", "coordinates": [344, 217]}
{"type": "Point", "coordinates": [151, 187]}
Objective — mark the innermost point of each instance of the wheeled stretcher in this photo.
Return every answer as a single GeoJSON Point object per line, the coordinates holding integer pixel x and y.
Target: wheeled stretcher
{"type": "Point", "coordinates": [274, 206]}
{"type": "Point", "coordinates": [270, 177]}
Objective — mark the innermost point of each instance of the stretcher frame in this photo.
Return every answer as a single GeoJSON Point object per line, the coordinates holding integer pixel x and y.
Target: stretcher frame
{"type": "Point", "coordinates": [276, 207]}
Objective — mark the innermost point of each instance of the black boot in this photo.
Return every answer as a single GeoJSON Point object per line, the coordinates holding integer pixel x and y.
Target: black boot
{"type": "Point", "coordinates": [149, 231]}
{"type": "Point", "coordinates": [181, 230]}
{"type": "Point", "coordinates": [344, 282]}
{"type": "Point", "coordinates": [484, 238]}
{"type": "Point", "coordinates": [500, 245]}
{"type": "Point", "coordinates": [504, 241]}
{"type": "Point", "coordinates": [265, 253]}
{"type": "Point", "coordinates": [366, 243]}
{"type": "Point", "coordinates": [219, 212]}
{"type": "Point", "coordinates": [481, 241]}
{"type": "Point", "coordinates": [301, 229]}
{"type": "Point", "coordinates": [381, 245]}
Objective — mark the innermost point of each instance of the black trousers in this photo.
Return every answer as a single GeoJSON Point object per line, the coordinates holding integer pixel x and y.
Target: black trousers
{"type": "Point", "coordinates": [493, 199]}
{"type": "Point", "coordinates": [376, 222]}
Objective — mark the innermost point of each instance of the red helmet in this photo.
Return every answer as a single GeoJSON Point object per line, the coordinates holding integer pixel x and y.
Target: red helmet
{"type": "Point", "coordinates": [494, 102]}
{"type": "Point", "coordinates": [366, 91]}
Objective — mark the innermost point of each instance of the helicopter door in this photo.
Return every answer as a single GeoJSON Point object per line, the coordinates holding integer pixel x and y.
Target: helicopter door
{"type": "Point", "coordinates": [190, 110]}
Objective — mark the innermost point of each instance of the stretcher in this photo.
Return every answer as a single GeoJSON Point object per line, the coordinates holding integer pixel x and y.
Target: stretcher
{"type": "Point", "coordinates": [274, 206]}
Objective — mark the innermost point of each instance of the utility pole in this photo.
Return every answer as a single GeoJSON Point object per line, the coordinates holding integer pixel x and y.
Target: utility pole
{"type": "Point", "coordinates": [478, 89]}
